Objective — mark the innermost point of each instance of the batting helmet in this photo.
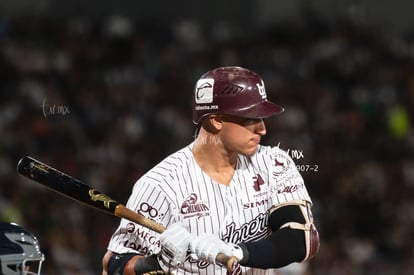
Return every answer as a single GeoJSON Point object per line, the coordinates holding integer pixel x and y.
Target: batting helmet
{"type": "Point", "coordinates": [19, 251]}
{"type": "Point", "coordinates": [234, 91]}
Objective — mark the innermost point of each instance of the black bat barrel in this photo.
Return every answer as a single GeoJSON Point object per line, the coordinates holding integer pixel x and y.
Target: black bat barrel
{"type": "Point", "coordinates": [65, 184]}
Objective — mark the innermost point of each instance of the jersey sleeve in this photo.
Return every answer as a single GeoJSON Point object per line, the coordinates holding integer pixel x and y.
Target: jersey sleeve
{"type": "Point", "coordinates": [148, 199]}
{"type": "Point", "coordinates": [286, 182]}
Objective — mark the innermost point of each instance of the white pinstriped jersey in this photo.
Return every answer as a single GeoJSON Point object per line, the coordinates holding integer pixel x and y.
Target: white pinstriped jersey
{"type": "Point", "coordinates": [177, 190]}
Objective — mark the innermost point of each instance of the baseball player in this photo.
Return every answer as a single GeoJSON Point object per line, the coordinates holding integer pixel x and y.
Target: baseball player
{"type": "Point", "coordinates": [223, 193]}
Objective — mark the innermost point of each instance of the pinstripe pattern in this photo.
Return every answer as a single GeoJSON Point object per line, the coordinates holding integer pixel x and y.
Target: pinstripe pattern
{"type": "Point", "coordinates": [177, 190]}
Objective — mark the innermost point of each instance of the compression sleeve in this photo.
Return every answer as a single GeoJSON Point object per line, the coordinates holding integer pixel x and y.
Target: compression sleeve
{"type": "Point", "coordinates": [117, 262]}
{"type": "Point", "coordinates": [145, 266]}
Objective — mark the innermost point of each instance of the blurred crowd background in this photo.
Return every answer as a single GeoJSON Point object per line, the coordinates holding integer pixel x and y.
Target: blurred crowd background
{"type": "Point", "coordinates": [105, 98]}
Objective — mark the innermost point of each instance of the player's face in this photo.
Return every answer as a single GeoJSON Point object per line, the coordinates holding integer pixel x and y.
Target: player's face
{"type": "Point", "coordinates": [242, 135]}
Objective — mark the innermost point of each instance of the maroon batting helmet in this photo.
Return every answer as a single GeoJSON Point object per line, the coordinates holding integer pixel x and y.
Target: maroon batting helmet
{"type": "Point", "coordinates": [234, 91]}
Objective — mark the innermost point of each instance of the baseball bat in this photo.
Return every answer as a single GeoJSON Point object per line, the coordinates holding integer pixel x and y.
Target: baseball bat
{"type": "Point", "coordinates": [74, 189]}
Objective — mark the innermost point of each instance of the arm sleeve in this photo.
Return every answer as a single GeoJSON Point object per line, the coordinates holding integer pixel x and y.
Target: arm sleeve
{"type": "Point", "coordinates": [117, 262]}
{"type": "Point", "coordinates": [146, 265]}
{"type": "Point", "coordinates": [284, 246]}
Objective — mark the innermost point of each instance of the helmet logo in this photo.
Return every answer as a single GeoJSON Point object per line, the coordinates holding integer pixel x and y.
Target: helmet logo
{"type": "Point", "coordinates": [204, 91]}
{"type": "Point", "coordinates": [262, 90]}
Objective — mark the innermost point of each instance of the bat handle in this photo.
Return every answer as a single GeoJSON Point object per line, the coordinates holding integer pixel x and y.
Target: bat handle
{"type": "Point", "coordinates": [229, 261]}
{"type": "Point", "coordinates": [124, 212]}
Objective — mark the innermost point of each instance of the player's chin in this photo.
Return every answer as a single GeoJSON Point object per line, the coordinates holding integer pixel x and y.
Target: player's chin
{"type": "Point", "coordinates": [251, 150]}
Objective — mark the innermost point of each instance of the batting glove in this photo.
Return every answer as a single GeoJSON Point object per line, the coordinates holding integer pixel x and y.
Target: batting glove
{"type": "Point", "coordinates": [174, 246]}
{"type": "Point", "coordinates": [207, 247]}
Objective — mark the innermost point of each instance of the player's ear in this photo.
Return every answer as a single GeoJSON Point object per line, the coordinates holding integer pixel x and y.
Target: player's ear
{"type": "Point", "coordinates": [216, 122]}
{"type": "Point", "coordinates": [212, 123]}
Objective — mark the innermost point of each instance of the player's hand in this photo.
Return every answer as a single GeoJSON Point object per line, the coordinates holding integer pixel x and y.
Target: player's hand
{"type": "Point", "coordinates": [174, 246]}
{"type": "Point", "coordinates": [207, 247]}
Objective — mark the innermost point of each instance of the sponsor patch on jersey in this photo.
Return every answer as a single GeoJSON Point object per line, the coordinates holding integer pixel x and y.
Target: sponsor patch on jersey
{"type": "Point", "coordinates": [264, 203]}
{"type": "Point", "coordinates": [204, 91]}
{"type": "Point", "coordinates": [290, 188]}
{"type": "Point", "coordinates": [148, 210]}
{"type": "Point", "coordinates": [191, 207]}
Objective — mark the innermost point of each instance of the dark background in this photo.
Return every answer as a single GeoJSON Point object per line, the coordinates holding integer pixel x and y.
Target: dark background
{"type": "Point", "coordinates": [102, 91]}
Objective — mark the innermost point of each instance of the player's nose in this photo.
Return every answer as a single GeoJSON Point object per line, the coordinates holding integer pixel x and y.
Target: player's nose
{"type": "Point", "coordinates": [261, 127]}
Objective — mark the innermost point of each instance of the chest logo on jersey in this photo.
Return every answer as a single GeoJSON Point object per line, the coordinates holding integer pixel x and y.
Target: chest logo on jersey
{"type": "Point", "coordinates": [257, 181]}
{"type": "Point", "coordinates": [254, 230]}
{"type": "Point", "coordinates": [191, 207]}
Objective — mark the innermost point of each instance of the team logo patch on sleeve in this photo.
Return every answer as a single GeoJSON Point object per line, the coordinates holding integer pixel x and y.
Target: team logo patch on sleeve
{"type": "Point", "coordinates": [280, 164]}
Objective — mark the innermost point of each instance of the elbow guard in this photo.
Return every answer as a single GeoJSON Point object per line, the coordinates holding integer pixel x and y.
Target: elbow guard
{"type": "Point", "coordinates": [306, 225]}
